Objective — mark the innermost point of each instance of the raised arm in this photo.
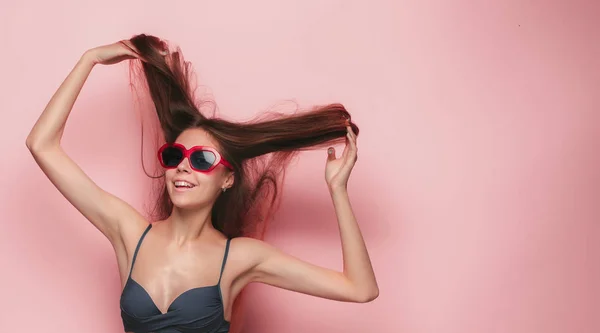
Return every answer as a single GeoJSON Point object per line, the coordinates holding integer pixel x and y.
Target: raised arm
{"type": "Point", "coordinates": [357, 282]}
{"type": "Point", "coordinates": [105, 211]}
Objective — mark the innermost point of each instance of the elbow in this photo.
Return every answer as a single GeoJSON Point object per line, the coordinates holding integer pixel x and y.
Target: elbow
{"type": "Point", "coordinates": [29, 143]}
{"type": "Point", "coordinates": [372, 295]}
{"type": "Point", "coordinates": [368, 295]}
{"type": "Point", "coordinates": [32, 143]}
{"type": "Point", "coordinates": [36, 145]}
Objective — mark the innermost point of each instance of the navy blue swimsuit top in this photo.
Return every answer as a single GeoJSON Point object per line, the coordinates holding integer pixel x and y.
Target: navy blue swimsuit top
{"type": "Point", "coordinates": [197, 310]}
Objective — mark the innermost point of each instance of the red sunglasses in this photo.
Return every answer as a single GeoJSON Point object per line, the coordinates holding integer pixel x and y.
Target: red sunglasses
{"type": "Point", "coordinates": [201, 158]}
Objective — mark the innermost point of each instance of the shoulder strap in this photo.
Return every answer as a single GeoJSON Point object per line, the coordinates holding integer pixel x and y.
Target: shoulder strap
{"type": "Point", "coordinates": [138, 247]}
{"type": "Point", "coordinates": [224, 260]}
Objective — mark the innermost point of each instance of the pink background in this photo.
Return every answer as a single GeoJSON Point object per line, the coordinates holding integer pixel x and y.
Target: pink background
{"type": "Point", "coordinates": [477, 186]}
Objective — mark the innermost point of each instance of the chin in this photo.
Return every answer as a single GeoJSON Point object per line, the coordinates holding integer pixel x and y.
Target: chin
{"type": "Point", "coordinates": [183, 201]}
{"type": "Point", "coordinates": [186, 200]}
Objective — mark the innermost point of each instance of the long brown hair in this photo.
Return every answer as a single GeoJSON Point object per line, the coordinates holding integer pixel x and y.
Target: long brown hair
{"type": "Point", "coordinates": [259, 150]}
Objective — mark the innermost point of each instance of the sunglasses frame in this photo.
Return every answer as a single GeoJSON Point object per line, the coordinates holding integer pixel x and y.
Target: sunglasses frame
{"type": "Point", "coordinates": [188, 152]}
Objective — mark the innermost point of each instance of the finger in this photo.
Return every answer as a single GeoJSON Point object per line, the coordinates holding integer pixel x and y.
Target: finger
{"type": "Point", "coordinates": [352, 150]}
{"type": "Point", "coordinates": [351, 131]}
{"type": "Point", "coordinates": [331, 154]}
{"type": "Point", "coordinates": [352, 138]}
{"type": "Point", "coordinates": [351, 157]}
{"type": "Point", "coordinates": [352, 135]}
{"type": "Point", "coordinates": [346, 148]}
{"type": "Point", "coordinates": [131, 49]}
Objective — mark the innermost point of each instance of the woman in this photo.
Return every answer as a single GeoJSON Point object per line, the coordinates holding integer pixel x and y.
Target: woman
{"type": "Point", "coordinates": [183, 272]}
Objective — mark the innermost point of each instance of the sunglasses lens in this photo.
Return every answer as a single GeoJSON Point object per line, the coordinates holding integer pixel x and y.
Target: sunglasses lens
{"type": "Point", "coordinates": [202, 159]}
{"type": "Point", "coordinates": [172, 156]}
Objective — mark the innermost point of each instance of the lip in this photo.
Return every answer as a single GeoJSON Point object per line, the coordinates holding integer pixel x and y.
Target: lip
{"type": "Point", "coordinates": [182, 180]}
{"type": "Point", "coordinates": [182, 189]}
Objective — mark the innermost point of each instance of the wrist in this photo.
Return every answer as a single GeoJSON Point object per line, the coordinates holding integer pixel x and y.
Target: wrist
{"type": "Point", "coordinates": [88, 58]}
{"type": "Point", "coordinates": [334, 190]}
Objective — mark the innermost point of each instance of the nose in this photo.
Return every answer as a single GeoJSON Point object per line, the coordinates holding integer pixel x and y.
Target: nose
{"type": "Point", "coordinates": [184, 165]}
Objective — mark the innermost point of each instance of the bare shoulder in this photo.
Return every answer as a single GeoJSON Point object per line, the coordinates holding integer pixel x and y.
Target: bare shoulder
{"type": "Point", "coordinates": [248, 251]}
{"type": "Point", "coordinates": [245, 254]}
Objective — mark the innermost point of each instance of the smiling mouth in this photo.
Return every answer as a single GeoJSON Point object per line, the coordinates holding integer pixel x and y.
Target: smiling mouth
{"type": "Point", "coordinates": [183, 185]}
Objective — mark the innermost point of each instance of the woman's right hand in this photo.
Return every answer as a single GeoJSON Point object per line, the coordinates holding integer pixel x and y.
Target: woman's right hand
{"type": "Point", "coordinates": [113, 53]}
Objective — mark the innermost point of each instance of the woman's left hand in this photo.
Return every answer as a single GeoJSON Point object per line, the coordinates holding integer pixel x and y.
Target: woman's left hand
{"type": "Point", "coordinates": [337, 170]}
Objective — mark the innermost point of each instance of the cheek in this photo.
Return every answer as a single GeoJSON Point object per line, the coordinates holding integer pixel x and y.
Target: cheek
{"type": "Point", "coordinates": [169, 174]}
{"type": "Point", "coordinates": [206, 182]}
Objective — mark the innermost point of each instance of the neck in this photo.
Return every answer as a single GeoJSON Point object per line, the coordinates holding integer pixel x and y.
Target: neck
{"type": "Point", "coordinates": [190, 224]}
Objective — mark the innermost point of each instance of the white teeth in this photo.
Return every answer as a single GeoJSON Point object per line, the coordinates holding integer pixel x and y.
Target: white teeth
{"type": "Point", "coordinates": [180, 183]}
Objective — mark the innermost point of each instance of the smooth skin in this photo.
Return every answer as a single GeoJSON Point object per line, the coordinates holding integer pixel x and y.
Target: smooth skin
{"type": "Point", "coordinates": [185, 251]}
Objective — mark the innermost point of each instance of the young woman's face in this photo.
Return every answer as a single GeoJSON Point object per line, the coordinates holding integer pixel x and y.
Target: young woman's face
{"type": "Point", "coordinates": [198, 188]}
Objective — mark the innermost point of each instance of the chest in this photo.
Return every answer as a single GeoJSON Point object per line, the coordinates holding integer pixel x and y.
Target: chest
{"type": "Point", "coordinates": [195, 310]}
